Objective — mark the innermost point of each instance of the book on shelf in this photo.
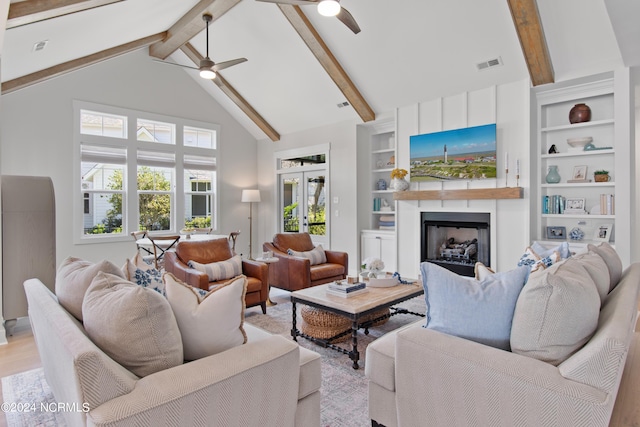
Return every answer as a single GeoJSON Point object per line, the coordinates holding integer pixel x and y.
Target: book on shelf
{"type": "Point", "coordinates": [346, 294]}
{"type": "Point", "coordinates": [607, 204]}
{"type": "Point", "coordinates": [347, 288]}
{"type": "Point", "coordinates": [578, 181]}
{"type": "Point", "coordinates": [387, 227]}
{"type": "Point", "coordinates": [553, 204]}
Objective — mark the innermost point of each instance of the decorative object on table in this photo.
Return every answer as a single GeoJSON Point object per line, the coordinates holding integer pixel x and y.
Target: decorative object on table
{"type": "Point", "coordinates": [603, 232]}
{"type": "Point", "coordinates": [188, 232]}
{"type": "Point", "coordinates": [553, 149]}
{"type": "Point", "coordinates": [556, 233]}
{"type": "Point", "coordinates": [382, 184]}
{"type": "Point", "coordinates": [575, 205]}
{"type": "Point", "coordinates": [371, 267]}
{"type": "Point", "coordinates": [383, 281]}
{"type": "Point", "coordinates": [579, 113]}
{"type": "Point", "coordinates": [601, 176]}
{"type": "Point", "coordinates": [404, 282]}
{"type": "Point", "coordinates": [553, 177]}
{"type": "Point", "coordinates": [251, 197]}
{"type": "Point", "coordinates": [576, 233]}
{"type": "Point", "coordinates": [578, 144]}
{"type": "Point", "coordinates": [398, 183]}
{"type": "Point", "coordinates": [579, 173]}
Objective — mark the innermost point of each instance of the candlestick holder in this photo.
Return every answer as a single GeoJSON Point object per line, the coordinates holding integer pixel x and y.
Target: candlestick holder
{"type": "Point", "coordinates": [518, 180]}
{"type": "Point", "coordinates": [506, 177]}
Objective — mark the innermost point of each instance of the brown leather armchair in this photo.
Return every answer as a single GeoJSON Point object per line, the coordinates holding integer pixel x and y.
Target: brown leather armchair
{"type": "Point", "coordinates": [294, 273]}
{"type": "Point", "coordinates": [208, 251]}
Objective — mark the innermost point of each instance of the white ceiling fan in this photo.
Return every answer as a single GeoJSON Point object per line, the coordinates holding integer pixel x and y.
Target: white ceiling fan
{"type": "Point", "coordinates": [208, 68]}
{"type": "Point", "coordinates": [326, 8]}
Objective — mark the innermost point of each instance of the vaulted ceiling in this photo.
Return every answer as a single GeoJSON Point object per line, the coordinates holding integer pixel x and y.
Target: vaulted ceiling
{"type": "Point", "coordinates": [302, 65]}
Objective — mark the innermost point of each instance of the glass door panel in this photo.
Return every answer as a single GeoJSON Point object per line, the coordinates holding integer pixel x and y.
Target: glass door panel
{"type": "Point", "coordinates": [315, 208]}
{"type": "Point", "coordinates": [290, 195]}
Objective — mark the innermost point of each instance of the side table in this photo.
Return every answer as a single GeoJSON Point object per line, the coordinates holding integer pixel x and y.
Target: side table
{"type": "Point", "coordinates": [269, 261]}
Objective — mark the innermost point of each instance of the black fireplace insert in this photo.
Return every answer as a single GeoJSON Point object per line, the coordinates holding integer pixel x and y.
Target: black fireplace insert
{"type": "Point", "coordinates": [456, 240]}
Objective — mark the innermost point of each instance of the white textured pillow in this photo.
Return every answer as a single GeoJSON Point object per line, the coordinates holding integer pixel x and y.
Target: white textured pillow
{"type": "Point", "coordinates": [556, 314]}
{"type": "Point", "coordinates": [74, 277]}
{"type": "Point", "coordinates": [612, 259]}
{"type": "Point", "coordinates": [315, 255]}
{"type": "Point", "coordinates": [211, 323]}
{"type": "Point", "coordinates": [220, 270]}
{"type": "Point", "coordinates": [144, 274]}
{"type": "Point", "coordinates": [543, 252]}
{"type": "Point", "coordinates": [597, 269]}
{"type": "Point", "coordinates": [135, 326]}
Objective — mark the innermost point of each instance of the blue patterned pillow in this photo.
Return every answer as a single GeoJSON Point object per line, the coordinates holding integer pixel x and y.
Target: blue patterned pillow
{"type": "Point", "coordinates": [143, 273]}
{"type": "Point", "coordinates": [536, 262]}
{"type": "Point", "coordinates": [315, 255]}
{"type": "Point", "coordinates": [477, 310]}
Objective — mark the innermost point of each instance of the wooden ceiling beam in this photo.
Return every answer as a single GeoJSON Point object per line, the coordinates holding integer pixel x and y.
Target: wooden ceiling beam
{"type": "Point", "coordinates": [242, 103]}
{"type": "Point", "coordinates": [321, 51]}
{"type": "Point", "coordinates": [76, 64]}
{"type": "Point", "coordinates": [189, 26]}
{"type": "Point", "coordinates": [526, 19]}
{"type": "Point", "coordinates": [30, 11]}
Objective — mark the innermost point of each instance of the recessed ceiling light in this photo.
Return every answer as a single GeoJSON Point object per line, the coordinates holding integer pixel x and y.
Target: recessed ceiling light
{"type": "Point", "coordinates": [40, 45]}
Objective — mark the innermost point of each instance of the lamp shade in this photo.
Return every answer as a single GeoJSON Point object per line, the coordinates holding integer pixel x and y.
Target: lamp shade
{"type": "Point", "coordinates": [250, 195]}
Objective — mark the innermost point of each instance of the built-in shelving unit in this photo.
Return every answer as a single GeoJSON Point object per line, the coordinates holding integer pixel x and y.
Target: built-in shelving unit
{"type": "Point", "coordinates": [609, 129]}
{"type": "Point", "coordinates": [376, 205]}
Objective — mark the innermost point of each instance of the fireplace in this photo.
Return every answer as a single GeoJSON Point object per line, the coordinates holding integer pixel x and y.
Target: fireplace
{"type": "Point", "coordinates": [456, 240]}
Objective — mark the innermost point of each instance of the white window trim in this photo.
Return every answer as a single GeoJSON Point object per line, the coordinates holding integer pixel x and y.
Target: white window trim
{"type": "Point", "coordinates": [129, 223]}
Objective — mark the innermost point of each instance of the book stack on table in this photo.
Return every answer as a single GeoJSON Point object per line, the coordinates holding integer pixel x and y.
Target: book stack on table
{"type": "Point", "coordinates": [346, 290]}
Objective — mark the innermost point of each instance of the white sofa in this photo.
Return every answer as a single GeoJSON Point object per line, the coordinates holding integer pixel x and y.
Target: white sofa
{"type": "Point", "coordinates": [268, 381]}
{"type": "Point", "coordinates": [420, 377]}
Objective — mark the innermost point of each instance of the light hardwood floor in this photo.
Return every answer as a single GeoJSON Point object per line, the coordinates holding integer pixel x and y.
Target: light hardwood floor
{"type": "Point", "coordinates": [21, 354]}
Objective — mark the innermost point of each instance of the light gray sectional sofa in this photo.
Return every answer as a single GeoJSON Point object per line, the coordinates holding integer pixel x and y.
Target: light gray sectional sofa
{"type": "Point", "coordinates": [421, 377]}
{"type": "Point", "coordinates": [268, 381]}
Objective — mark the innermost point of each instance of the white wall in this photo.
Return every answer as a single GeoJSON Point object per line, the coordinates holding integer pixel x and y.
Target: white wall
{"type": "Point", "coordinates": [37, 136]}
{"type": "Point", "coordinates": [342, 184]}
{"type": "Point", "coordinates": [506, 105]}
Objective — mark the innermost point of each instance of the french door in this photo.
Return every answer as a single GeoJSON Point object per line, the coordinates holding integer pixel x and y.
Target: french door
{"type": "Point", "coordinates": [302, 204]}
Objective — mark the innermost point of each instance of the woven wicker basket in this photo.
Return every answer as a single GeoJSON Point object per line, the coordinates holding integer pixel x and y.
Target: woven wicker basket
{"type": "Point", "coordinates": [316, 317]}
{"type": "Point", "coordinates": [323, 324]}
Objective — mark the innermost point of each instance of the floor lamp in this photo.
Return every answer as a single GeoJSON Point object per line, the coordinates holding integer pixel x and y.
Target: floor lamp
{"type": "Point", "coordinates": [250, 196]}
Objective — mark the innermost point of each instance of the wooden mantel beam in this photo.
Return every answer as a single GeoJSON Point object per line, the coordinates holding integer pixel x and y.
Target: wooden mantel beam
{"type": "Point", "coordinates": [321, 51]}
{"type": "Point", "coordinates": [526, 19]}
{"type": "Point", "coordinates": [30, 11]}
{"type": "Point", "coordinates": [234, 95]}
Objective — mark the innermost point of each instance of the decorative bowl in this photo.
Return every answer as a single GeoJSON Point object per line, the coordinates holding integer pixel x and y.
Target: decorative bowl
{"type": "Point", "coordinates": [579, 142]}
{"type": "Point", "coordinates": [383, 281]}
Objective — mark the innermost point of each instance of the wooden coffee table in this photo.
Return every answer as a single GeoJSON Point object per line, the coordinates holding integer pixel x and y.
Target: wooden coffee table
{"type": "Point", "coordinates": [355, 309]}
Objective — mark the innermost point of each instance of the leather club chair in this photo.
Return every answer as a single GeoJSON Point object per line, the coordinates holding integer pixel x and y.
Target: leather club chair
{"type": "Point", "coordinates": [208, 251]}
{"type": "Point", "coordinates": [294, 273]}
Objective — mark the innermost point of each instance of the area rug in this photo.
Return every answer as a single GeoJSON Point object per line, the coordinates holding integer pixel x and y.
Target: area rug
{"type": "Point", "coordinates": [344, 389]}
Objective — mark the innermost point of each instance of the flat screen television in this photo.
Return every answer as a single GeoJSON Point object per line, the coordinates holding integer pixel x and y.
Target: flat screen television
{"type": "Point", "coordinates": [467, 153]}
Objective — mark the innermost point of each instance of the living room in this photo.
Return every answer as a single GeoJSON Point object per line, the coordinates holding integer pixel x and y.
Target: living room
{"type": "Point", "coordinates": [37, 140]}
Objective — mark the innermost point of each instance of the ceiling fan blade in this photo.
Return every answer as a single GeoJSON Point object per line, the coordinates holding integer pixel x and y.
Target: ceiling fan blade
{"type": "Point", "coordinates": [173, 63]}
{"type": "Point", "coordinates": [347, 19]}
{"type": "Point", "coordinates": [297, 2]}
{"type": "Point", "coordinates": [226, 64]}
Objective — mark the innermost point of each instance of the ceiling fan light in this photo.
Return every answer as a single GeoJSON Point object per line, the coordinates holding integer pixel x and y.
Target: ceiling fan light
{"type": "Point", "coordinates": [207, 74]}
{"type": "Point", "coordinates": [328, 7]}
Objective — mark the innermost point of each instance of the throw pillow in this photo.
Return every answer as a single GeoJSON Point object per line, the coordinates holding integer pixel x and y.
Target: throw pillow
{"type": "Point", "coordinates": [315, 255]}
{"type": "Point", "coordinates": [556, 314]}
{"type": "Point", "coordinates": [73, 279]}
{"type": "Point", "coordinates": [143, 273]}
{"type": "Point", "coordinates": [135, 326]}
{"type": "Point", "coordinates": [543, 252]}
{"type": "Point", "coordinates": [220, 270]}
{"type": "Point", "coordinates": [613, 261]}
{"type": "Point", "coordinates": [535, 262]}
{"type": "Point", "coordinates": [481, 271]}
{"type": "Point", "coordinates": [597, 269]}
{"type": "Point", "coordinates": [211, 323]}
{"type": "Point", "coordinates": [478, 310]}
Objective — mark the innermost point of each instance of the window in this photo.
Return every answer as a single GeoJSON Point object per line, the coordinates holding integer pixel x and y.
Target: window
{"type": "Point", "coordinates": [130, 175]}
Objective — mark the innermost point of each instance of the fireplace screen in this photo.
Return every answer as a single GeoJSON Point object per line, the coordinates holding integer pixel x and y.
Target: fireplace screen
{"type": "Point", "coordinates": [456, 240]}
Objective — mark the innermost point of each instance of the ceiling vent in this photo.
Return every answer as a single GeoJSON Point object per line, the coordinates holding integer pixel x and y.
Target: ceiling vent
{"type": "Point", "coordinates": [40, 45]}
{"type": "Point", "coordinates": [343, 104]}
{"type": "Point", "coordinates": [489, 64]}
